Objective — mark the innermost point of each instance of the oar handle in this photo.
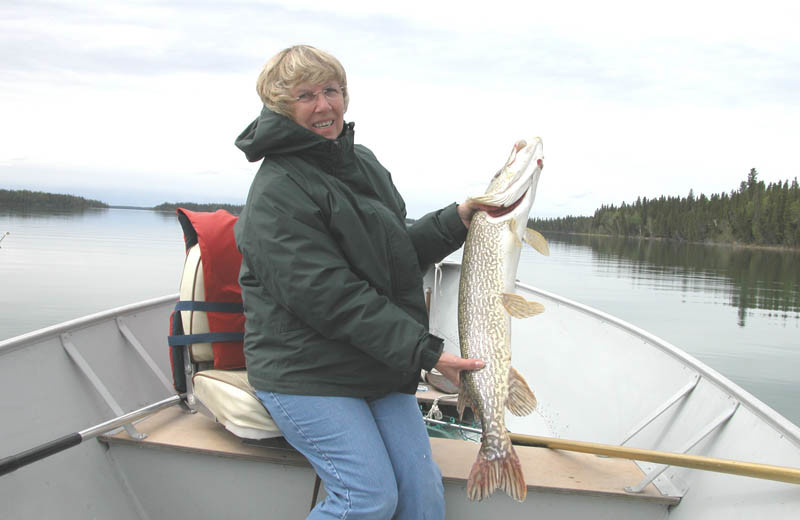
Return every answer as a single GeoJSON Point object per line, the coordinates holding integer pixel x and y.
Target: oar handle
{"type": "Point", "coordinates": [734, 467]}
{"type": "Point", "coordinates": [14, 462]}
{"type": "Point", "coordinates": [9, 464]}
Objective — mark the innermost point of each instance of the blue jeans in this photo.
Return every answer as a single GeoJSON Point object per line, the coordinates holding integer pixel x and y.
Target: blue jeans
{"type": "Point", "coordinates": [373, 455]}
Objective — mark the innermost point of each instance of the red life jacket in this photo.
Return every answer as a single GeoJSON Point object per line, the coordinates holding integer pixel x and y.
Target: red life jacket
{"type": "Point", "coordinates": [222, 305]}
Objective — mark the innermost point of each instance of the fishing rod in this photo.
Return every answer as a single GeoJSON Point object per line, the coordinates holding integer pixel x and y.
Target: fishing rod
{"type": "Point", "coordinates": [14, 462]}
{"type": "Point", "coordinates": [4, 235]}
{"type": "Point", "coordinates": [733, 467]}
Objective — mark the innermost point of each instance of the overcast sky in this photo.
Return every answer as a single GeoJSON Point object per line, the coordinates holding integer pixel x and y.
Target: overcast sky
{"type": "Point", "coordinates": [139, 102]}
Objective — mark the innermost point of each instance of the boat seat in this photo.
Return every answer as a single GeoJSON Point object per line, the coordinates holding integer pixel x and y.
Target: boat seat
{"type": "Point", "coordinates": [228, 396]}
{"type": "Point", "coordinates": [548, 471]}
{"type": "Point", "coordinates": [233, 402]}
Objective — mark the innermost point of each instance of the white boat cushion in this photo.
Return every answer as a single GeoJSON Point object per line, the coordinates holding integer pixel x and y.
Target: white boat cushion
{"type": "Point", "coordinates": [228, 395]}
{"type": "Point", "coordinates": [193, 289]}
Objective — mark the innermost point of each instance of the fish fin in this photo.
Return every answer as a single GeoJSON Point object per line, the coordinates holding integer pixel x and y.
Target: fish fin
{"type": "Point", "coordinates": [535, 239]}
{"type": "Point", "coordinates": [512, 226]}
{"type": "Point", "coordinates": [463, 399]}
{"type": "Point", "coordinates": [521, 400]}
{"type": "Point", "coordinates": [503, 472]}
{"type": "Point", "coordinates": [519, 307]}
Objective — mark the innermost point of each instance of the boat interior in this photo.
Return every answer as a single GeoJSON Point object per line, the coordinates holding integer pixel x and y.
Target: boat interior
{"type": "Point", "coordinates": [233, 425]}
{"type": "Point", "coordinates": [215, 452]}
{"type": "Point", "coordinates": [546, 471]}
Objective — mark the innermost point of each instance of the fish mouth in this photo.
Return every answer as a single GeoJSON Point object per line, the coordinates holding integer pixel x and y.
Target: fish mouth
{"type": "Point", "coordinates": [515, 180]}
{"type": "Point", "coordinates": [504, 210]}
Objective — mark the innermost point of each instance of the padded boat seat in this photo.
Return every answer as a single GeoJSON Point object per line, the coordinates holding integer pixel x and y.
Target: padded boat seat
{"type": "Point", "coordinates": [228, 395]}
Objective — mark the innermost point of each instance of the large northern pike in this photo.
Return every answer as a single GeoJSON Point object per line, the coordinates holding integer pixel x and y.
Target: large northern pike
{"type": "Point", "coordinates": [485, 303]}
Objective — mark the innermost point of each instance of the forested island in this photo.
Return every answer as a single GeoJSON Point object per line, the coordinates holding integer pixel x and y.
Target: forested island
{"type": "Point", "coordinates": [26, 200]}
{"type": "Point", "coordinates": [755, 214]}
{"type": "Point", "coordinates": [39, 200]}
{"type": "Point", "coordinates": [233, 209]}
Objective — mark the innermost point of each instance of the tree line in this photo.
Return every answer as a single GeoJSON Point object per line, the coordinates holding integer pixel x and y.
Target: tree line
{"type": "Point", "coordinates": [39, 200]}
{"type": "Point", "coordinates": [26, 200]}
{"type": "Point", "coordinates": [234, 209]}
{"type": "Point", "coordinates": [756, 213]}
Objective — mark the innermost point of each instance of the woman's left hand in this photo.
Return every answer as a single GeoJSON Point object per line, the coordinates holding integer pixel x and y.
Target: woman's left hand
{"type": "Point", "coordinates": [451, 366]}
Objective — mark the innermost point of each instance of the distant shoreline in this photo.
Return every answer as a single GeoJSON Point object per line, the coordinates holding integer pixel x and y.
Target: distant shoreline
{"type": "Point", "coordinates": [735, 245]}
{"type": "Point", "coordinates": [145, 208]}
{"type": "Point", "coordinates": [27, 200]}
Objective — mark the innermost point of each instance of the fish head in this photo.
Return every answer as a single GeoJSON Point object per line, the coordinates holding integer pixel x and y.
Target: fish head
{"type": "Point", "coordinates": [513, 188]}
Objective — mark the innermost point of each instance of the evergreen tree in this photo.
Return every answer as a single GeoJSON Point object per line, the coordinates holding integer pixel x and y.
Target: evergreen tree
{"type": "Point", "coordinates": [753, 214]}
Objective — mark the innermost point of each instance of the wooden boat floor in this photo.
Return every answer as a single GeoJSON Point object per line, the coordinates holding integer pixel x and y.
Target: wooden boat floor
{"type": "Point", "coordinates": [544, 469]}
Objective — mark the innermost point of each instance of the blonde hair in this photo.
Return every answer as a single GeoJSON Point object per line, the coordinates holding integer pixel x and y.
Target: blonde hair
{"type": "Point", "coordinates": [293, 66]}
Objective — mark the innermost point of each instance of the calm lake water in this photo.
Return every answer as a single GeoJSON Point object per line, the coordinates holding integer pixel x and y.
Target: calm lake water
{"type": "Point", "coordinates": [737, 310]}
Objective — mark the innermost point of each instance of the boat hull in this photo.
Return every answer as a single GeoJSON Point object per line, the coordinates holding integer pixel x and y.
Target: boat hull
{"type": "Point", "coordinates": [597, 378]}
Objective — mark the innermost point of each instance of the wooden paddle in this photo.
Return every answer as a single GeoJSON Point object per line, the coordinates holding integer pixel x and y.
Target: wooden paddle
{"type": "Point", "coordinates": [734, 467]}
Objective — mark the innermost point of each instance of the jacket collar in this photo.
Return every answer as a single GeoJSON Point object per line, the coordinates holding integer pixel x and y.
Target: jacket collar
{"type": "Point", "coordinates": [274, 134]}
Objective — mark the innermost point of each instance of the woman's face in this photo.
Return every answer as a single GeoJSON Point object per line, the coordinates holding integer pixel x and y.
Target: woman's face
{"type": "Point", "coordinates": [319, 107]}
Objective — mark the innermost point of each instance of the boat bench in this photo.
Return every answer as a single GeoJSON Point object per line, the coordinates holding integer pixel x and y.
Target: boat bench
{"type": "Point", "coordinates": [557, 471]}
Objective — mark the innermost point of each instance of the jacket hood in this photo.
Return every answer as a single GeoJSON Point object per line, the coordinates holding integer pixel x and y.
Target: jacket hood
{"type": "Point", "coordinates": [272, 133]}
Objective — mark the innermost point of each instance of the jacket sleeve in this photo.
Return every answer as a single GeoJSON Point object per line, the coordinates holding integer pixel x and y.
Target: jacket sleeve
{"type": "Point", "coordinates": [437, 234]}
{"type": "Point", "coordinates": [288, 248]}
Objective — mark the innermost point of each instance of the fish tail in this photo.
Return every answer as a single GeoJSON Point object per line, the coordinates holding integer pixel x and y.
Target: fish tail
{"type": "Point", "coordinates": [489, 474]}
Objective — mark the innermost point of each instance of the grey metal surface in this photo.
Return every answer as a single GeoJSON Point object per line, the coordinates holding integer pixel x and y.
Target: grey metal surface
{"type": "Point", "coordinates": [547, 505]}
{"type": "Point", "coordinates": [172, 484]}
{"type": "Point", "coordinates": [595, 377]}
{"type": "Point", "coordinates": [691, 443]}
{"type": "Point", "coordinates": [44, 395]}
{"type": "Point", "coordinates": [99, 429]}
{"type": "Point", "coordinates": [191, 486]}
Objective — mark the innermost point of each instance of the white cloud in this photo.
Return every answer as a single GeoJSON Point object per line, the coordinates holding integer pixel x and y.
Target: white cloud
{"type": "Point", "coordinates": [137, 99]}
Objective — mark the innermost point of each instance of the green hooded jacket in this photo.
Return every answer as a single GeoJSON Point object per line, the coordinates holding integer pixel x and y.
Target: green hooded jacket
{"type": "Point", "coordinates": [331, 275]}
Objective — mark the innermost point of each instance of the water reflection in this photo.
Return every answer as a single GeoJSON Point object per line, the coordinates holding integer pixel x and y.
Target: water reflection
{"type": "Point", "coordinates": [50, 214]}
{"type": "Point", "coordinates": [746, 278]}
{"type": "Point", "coordinates": [56, 266]}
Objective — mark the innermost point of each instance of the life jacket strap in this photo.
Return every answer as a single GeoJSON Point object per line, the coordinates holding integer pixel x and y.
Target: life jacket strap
{"type": "Point", "coordinates": [202, 306]}
{"type": "Point", "coordinates": [208, 337]}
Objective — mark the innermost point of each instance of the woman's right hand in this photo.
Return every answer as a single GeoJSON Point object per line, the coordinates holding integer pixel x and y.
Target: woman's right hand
{"type": "Point", "coordinates": [451, 366]}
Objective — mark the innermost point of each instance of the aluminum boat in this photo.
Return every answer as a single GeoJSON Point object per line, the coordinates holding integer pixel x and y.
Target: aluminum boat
{"type": "Point", "coordinates": [628, 426]}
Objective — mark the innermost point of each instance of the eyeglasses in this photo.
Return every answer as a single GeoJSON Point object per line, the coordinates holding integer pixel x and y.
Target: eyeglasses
{"type": "Point", "coordinates": [330, 93]}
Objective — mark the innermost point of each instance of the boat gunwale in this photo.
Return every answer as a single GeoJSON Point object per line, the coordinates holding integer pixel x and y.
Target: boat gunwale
{"type": "Point", "coordinates": [36, 336]}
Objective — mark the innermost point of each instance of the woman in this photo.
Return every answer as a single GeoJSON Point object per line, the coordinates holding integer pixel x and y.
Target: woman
{"type": "Point", "coordinates": [336, 325]}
